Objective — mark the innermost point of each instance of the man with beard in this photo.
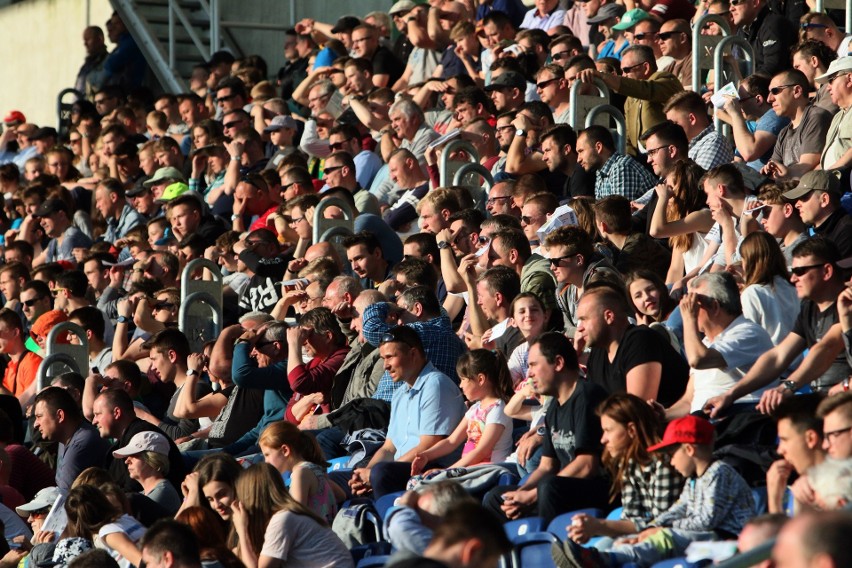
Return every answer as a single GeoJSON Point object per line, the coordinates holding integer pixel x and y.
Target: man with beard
{"type": "Point", "coordinates": [559, 154]}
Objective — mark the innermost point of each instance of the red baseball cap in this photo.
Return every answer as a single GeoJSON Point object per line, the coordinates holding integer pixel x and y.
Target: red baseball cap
{"type": "Point", "coordinates": [15, 117]}
{"type": "Point", "coordinates": [686, 430]}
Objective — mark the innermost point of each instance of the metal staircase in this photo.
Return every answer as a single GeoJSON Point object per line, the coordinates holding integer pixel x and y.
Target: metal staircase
{"type": "Point", "coordinates": [175, 35]}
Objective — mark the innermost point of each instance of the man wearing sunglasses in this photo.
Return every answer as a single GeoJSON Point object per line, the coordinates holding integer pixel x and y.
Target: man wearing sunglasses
{"type": "Point", "coordinates": [770, 35]}
{"type": "Point", "coordinates": [838, 140]}
{"type": "Point", "coordinates": [818, 282]}
{"type": "Point", "coordinates": [230, 95]}
{"type": "Point", "coordinates": [820, 26]}
{"type": "Point", "coordinates": [341, 170]}
{"type": "Point", "coordinates": [347, 138]}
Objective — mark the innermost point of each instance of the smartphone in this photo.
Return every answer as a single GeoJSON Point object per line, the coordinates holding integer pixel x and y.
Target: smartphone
{"type": "Point", "coordinates": [95, 371]}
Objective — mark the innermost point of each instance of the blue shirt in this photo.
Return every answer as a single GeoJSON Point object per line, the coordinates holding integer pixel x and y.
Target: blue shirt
{"type": "Point", "coordinates": [543, 22]}
{"type": "Point", "coordinates": [118, 228]}
{"type": "Point", "coordinates": [769, 122]}
{"type": "Point", "coordinates": [512, 8]}
{"type": "Point", "coordinates": [433, 406]}
{"type": "Point", "coordinates": [443, 347]}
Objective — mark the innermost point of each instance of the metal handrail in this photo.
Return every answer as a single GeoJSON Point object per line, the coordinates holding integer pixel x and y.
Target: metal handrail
{"type": "Point", "coordinates": [451, 147]}
{"type": "Point", "coordinates": [48, 362]}
{"type": "Point", "coordinates": [176, 10]}
{"type": "Point", "coordinates": [620, 123]}
{"type": "Point", "coordinates": [195, 264]}
{"type": "Point", "coordinates": [574, 99]}
{"type": "Point", "coordinates": [696, 43]}
{"type": "Point", "coordinates": [321, 224]}
{"type": "Point", "coordinates": [200, 298]}
{"type": "Point", "coordinates": [481, 170]}
{"type": "Point", "coordinates": [718, 62]}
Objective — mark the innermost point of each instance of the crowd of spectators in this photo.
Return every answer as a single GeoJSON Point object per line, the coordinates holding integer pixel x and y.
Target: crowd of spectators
{"type": "Point", "coordinates": [658, 319]}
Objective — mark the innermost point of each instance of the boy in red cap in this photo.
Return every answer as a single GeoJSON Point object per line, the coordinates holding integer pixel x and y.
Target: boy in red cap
{"type": "Point", "coordinates": [715, 505]}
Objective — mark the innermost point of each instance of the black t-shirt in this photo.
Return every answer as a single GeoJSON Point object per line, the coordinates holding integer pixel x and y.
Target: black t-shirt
{"type": "Point", "coordinates": [241, 413]}
{"type": "Point", "coordinates": [640, 345]}
{"type": "Point", "coordinates": [573, 428]}
{"type": "Point", "coordinates": [507, 342]}
{"type": "Point", "coordinates": [264, 287]}
{"type": "Point", "coordinates": [118, 469]}
{"type": "Point", "coordinates": [386, 63]}
{"type": "Point", "coordinates": [838, 229]}
{"type": "Point", "coordinates": [812, 325]}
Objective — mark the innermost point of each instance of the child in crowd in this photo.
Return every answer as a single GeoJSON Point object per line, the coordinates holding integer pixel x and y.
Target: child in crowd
{"type": "Point", "coordinates": [715, 504]}
{"type": "Point", "coordinates": [286, 448]}
{"type": "Point", "coordinates": [486, 382]}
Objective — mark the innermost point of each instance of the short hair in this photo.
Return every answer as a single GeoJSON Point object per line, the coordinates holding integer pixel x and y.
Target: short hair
{"type": "Point", "coordinates": [687, 101]}
{"type": "Point", "coordinates": [441, 198]}
{"type": "Point", "coordinates": [513, 239]}
{"type": "Point", "coordinates": [12, 320]}
{"type": "Point", "coordinates": [615, 212]}
{"type": "Point", "coordinates": [404, 334]}
{"type": "Point", "coordinates": [554, 69]}
{"type": "Point", "coordinates": [347, 130]}
{"type": "Point", "coordinates": [16, 271]}
{"type": "Point", "coordinates": [669, 133]}
{"type": "Point", "coordinates": [609, 298]}
{"type": "Point", "coordinates": [170, 339]}
{"type": "Point", "coordinates": [321, 320]}
{"type": "Point", "coordinates": [820, 248]}
{"type": "Point", "coordinates": [727, 175]}
{"type": "Point", "coordinates": [840, 401]}
{"type": "Point", "coordinates": [299, 175]}
{"type": "Point", "coordinates": [553, 344]}
{"type": "Point", "coordinates": [174, 537]}
{"type": "Point", "coordinates": [471, 219]}
{"type": "Point", "coordinates": [127, 371]}
{"type": "Point", "coordinates": [814, 48]}
{"type": "Point", "coordinates": [597, 134]}
{"type": "Point", "coordinates": [362, 64]}
{"type": "Point", "coordinates": [540, 111]}
{"type": "Point", "coordinates": [41, 288]}
{"type": "Point", "coordinates": [427, 244]}
{"type": "Point", "coordinates": [572, 42]}
{"type": "Point", "coordinates": [189, 199]}
{"type": "Point", "coordinates": [74, 281]}
{"type": "Point", "coordinates": [643, 52]}
{"type": "Point", "coordinates": [757, 85]}
{"type": "Point", "coordinates": [21, 247]}
{"type": "Point", "coordinates": [348, 285]}
{"type": "Point", "coordinates": [365, 238]}
{"type": "Point", "coordinates": [423, 295]}
{"type": "Point", "coordinates": [502, 280]}
{"type": "Point", "coordinates": [473, 96]}
{"type": "Point", "coordinates": [794, 77]}
{"type": "Point", "coordinates": [113, 185]}
{"type": "Point", "coordinates": [562, 135]}
{"type": "Point", "coordinates": [583, 61]}
{"type": "Point", "coordinates": [57, 398]}
{"type": "Point", "coordinates": [722, 287]}
{"type": "Point", "coordinates": [828, 533]}
{"type": "Point", "coordinates": [235, 84]}
{"type": "Point", "coordinates": [466, 521]}
{"type": "Point", "coordinates": [801, 411]}
{"type": "Point", "coordinates": [544, 200]}
{"type": "Point", "coordinates": [94, 558]}
{"type": "Point", "coordinates": [575, 239]}
{"type": "Point", "coordinates": [502, 221]}
{"type": "Point", "coordinates": [498, 18]}
{"type": "Point", "coordinates": [419, 271]}
{"type": "Point", "coordinates": [407, 108]}
{"type": "Point", "coordinates": [90, 318]}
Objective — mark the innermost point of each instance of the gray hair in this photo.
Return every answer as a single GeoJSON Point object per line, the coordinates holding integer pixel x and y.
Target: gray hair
{"type": "Point", "coordinates": [832, 480]}
{"type": "Point", "coordinates": [326, 87]}
{"type": "Point", "coordinates": [348, 285]}
{"type": "Point", "coordinates": [722, 287]}
{"type": "Point", "coordinates": [643, 52]}
{"type": "Point", "coordinates": [407, 108]}
{"type": "Point", "coordinates": [276, 331]}
{"type": "Point", "coordinates": [257, 317]}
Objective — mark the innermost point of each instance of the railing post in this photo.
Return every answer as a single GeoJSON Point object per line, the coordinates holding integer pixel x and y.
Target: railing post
{"type": "Point", "coordinates": [172, 56]}
{"type": "Point", "coordinates": [718, 60]}
{"type": "Point", "coordinates": [214, 27]}
{"type": "Point", "coordinates": [452, 146]}
{"type": "Point", "coordinates": [620, 124]}
{"type": "Point", "coordinates": [574, 105]}
{"type": "Point", "coordinates": [696, 45]}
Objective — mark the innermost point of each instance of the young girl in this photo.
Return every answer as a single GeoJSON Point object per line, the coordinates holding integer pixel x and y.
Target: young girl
{"type": "Point", "coordinates": [275, 531]}
{"type": "Point", "coordinates": [650, 297]}
{"type": "Point", "coordinates": [485, 381]}
{"type": "Point", "coordinates": [286, 448]}
{"type": "Point", "coordinates": [530, 316]}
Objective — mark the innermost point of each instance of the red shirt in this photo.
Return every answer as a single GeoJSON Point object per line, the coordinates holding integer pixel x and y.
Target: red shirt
{"type": "Point", "coordinates": [261, 221]}
{"type": "Point", "coordinates": [315, 376]}
{"type": "Point", "coordinates": [20, 374]}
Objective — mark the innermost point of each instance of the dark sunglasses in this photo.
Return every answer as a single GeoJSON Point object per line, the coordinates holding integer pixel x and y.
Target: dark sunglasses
{"type": "Point", "coordinates": [632, 68]}
{"type": "Point", "coordinates": [493, 200]}
{"type": "Point", "coordinates": [802, 270]}
{"type": "Point", "coordinates": [232, 124]}
{"type": "Point", "coordinates": [226, 98]}
{"type": "Point", "coordinates": [561, 55]}
{"type": "Point", "coordinates": [663, 36]}
{"type": "Point", "coordinates": [777, 90]}
{"type": "Point", "coordinates": [331, 169]}
{"type": "Point", "coordinates": [262, 344]}
{"type": "Point", "coordinates": [557, 260]}
{"type": "Point", "coordinates": [391, 337]}
{"type": "Point", "coordinates": [640, 37]}
{"type": "Point", "coordinates": [164, 306]}
{"type": "Point", "coordinates": [337, 146]}
{"type": "Point", "coordinates": [32, 302]}
{"type": "Point", "coordinates": [544, 84]}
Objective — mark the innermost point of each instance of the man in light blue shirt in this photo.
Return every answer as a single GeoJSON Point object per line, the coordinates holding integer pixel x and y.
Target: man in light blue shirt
{"type": "Point", "coordinates": [424, 411]}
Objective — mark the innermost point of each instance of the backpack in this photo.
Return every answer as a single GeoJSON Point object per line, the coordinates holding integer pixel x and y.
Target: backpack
{"type": "Point", "coordinates": [358, 523]}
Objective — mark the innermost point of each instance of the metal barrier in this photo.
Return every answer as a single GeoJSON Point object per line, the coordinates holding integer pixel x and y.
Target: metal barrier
{"type": "Point", "coordinates": [477, 192]}
{"type": "Point", "coordinates": [322, 225]}
{"type": "Point", "coordinates": [581, 105]}
{"type": "Point", "coordinates": [821, 5]}
{"type": "Point", "coordinates": [447, 168]}
{"type": "Point", "coordinates": [718, 62]}
{"type": "Point", "coordinates": [617, 117]}
{"type": "Point", "coordinates": [704, 47]}
{"type": "Point", "coordinates": [63, 110]}
{"type": "Point", "coordinates": [199, 300]}
{"type": "Point", "coordinates": [72, 356]}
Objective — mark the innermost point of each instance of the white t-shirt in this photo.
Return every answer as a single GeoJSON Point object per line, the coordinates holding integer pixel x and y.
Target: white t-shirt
{"type": "Point", "coordinates": [300, 541]}
{"type": "Point", "coordinates": [773, 307]}
{"type": "Point", "coordinates": [127, 525]}
{"type": "Point", "coordinates": [741, 343]}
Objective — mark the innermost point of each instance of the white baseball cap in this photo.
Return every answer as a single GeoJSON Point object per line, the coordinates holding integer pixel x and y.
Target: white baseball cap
{"type": "Point", "coordinates": [144, 442]}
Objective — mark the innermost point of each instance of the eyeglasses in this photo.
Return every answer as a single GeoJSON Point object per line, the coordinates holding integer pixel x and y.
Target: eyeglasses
{"type": "Point", "coordinates": [557, 260]}
{"type": "Point", "coordinates": [632, 68]}
{"type": "Point", "coordinates": [777, 90]}
{"type": "Point", "coordinates": [737, 2]}
{"type": "Point", "coordinates": [484, 239]}
{"type": "Point", "coordinates": [526, 220]}
{"type": "Point", "coordinates": [652, 151]}
{"type": "Point", "coordinates": [163, 306]}
{"type": "Point", "coordinates": [559, 56]}
{"type": "Point", "coordinates": [102, 101]}
{"type": "Point", "coordinates": [232, 124]}
{"type": "Point", "coordinates": [544, 84]}
{"type": "Point", "coordinates": [462, 234]}
{"type": "Point", "coordinates": [226, 98]}
{"type": "Point", "coordinates": [56, 291]}
{"type": "Point", "coordinates": [295, 221]}
{"type": "Point", "coordinates": [337, 146]}
{"type": "Point", "coordinates": [704, 302]}
{"type": "Point", "coordinates": [493, 200]}
{"type": "Point", "coordinates": [802, 270]}
{"type": "Point", "coordinates": [663, 36]}
{"type": "Point", "coordinates": [32, 302]}
{"type": "Point", "coordinates": [286, 186]}
{"type": "Point", "coordinates": [331, 169]}
{"type": "Point", "coordinates": [506, 127]}
{"type": "Point", "coordinates": [835, 433]}
{"type": "Point", "coordinates": [642, 36]}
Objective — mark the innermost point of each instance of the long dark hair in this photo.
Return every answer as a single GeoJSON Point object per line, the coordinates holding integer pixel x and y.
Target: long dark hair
{"type": "Point", "coordinates": [493, 365]}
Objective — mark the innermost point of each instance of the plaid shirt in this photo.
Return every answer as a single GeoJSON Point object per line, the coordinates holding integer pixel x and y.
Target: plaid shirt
{"type": "Point", "coordinates": [622, 175]}
{"type": "Point", "coordinates": [710, 149]}
{"type": "Point", "coordinates": [648, 491]}
{"type": "Point", "coordinates": [443, 347]}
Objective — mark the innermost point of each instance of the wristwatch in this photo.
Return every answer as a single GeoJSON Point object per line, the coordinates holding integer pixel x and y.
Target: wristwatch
{"type": "Point", "coordinates": [122, 319]}
{"type": "Point", "coordinates": [790, 385]}
{"type": "Point", "coordinates": [541, 431]}
{"type": "Point", "coordinates": [443, 244]}
{"type": "Point", "coordinates": [192, 372]}
{"type": "Point", "coordinates": [520, 132]}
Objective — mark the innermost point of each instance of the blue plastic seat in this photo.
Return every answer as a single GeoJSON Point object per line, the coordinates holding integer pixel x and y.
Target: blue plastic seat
{"type": "Point", "coordinates": [337, 463]}
{"type": "Point", "coordinates": [385, 502]}
{"type": "Point", "coordinates": [533, 550]}
{"type": "Point", "coordinates": [559, 525]}
{"type": "Point", "coordinates": [370, 550]}
{"type": "Point", "coordinates": [372, 561]}
{"type": "Point", "coordinates": [524, 526]}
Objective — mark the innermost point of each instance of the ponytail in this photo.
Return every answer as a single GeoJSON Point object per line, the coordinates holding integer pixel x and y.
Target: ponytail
{"type": "Point", "coordinates": [493, 365]}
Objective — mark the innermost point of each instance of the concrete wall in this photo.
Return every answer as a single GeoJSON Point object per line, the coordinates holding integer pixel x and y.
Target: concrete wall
{"type": "Point", "coordinates": [41, 52]}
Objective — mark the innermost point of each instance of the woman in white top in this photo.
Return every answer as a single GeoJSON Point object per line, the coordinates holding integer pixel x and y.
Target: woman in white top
{"type": "Point", "coordinates": [768, 298]}
{"type": "Point", "coordinates": [275, 531]}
